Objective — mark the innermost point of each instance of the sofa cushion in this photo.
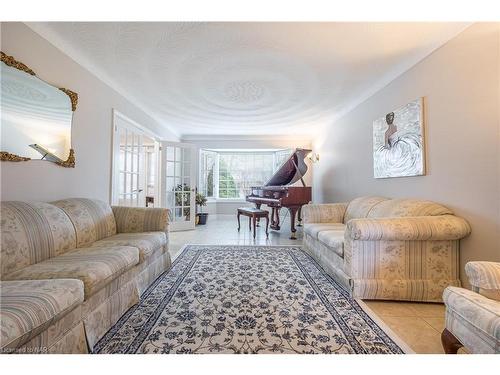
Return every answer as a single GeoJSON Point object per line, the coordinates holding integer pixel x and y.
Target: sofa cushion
{"type": "Point", "coordinates": [92, 219]}
{"type": "Point", "coordinates": [28, 307]}
{"type": "Point", "coordinates": [334, 239]}
{"type": "Point", "coordinates": [360, 207]}
{"type": "Point", "coordinates": [95, 266]}
{"type": "Point", "coordinates": [146, 242]}
{"type": "Point", "coordinates": [406, 208]}
{"type": "Point", "coordinates": [313, 229]}
{"type": "Point", "coordinates": [31, 233]}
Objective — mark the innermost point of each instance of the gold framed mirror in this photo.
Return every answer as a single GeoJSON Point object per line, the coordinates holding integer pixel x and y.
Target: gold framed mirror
{"type": "Point", "coordinates": [36, 117]}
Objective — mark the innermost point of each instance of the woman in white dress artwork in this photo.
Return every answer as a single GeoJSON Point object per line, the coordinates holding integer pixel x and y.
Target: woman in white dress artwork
{"type": "Point", "coordinates": [397, 143]}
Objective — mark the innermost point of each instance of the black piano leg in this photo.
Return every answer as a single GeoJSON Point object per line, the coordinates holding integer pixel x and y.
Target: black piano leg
{"type": "Point", "coordinates": [299, 217]}
{"type": "Point", "coordinates": [293, 212]}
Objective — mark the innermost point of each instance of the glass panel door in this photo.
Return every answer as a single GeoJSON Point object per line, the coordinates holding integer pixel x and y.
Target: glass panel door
{"type": "Point", "coordinates": [178, 184]}
{"type": "Point", "coordinates": [134, 164]}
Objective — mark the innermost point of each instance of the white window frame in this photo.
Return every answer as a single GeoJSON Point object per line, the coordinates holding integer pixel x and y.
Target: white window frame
{"type": "Point", "coordinates": [201, 172]}
{"type": "Point", "coordinates": [218, 152]}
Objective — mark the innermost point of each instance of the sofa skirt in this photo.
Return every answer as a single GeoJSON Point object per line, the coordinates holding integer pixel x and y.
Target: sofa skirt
{"type": "Point", "coordinates": [365, 275]}
{"type": "Point", "coordinates": [120, 295]}
{"type": "Point", "coordinates": [81, 329]}
{"type": "Point", "coordinates": [66, 336]}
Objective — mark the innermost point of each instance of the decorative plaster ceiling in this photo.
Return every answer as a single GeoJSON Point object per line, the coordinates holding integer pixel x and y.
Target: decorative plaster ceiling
{"type": "Point", "coordinates": [247, 78]}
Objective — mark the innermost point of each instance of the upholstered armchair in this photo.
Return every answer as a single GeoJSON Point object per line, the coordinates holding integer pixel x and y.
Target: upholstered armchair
{"type": "Point", "coordinates": [473, 316]}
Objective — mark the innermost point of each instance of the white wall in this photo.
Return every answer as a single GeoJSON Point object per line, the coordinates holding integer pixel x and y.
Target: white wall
{"type": "Point", "coordinates": [460, 83]}
{"type": "Point", "coordinates": [91, 131]}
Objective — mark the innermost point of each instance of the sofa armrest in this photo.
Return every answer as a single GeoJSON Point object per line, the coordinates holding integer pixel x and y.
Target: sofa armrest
{"type": "Point", "coordinates": [484, 276]}
{"type": "Point", "coordinates": [480, 315]}
{"type": "Point", "coordinates": [324, 213]}
{"type": "Point", "coordinates": [420, 228]}
{"type": "Point", "coordinates": [140, 219]}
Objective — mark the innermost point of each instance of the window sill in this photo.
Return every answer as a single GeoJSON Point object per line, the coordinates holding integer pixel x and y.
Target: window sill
{"type": "Point", "coordinates": [227, 200]}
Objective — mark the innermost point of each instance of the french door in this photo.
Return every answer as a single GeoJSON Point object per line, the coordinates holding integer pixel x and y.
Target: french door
{"type": "Point", "coordinates": [178, 176]}
{"type": "Point", "coordinates": [135, 164]}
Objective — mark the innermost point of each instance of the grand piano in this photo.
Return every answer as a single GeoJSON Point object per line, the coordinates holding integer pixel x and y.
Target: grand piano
{"type": "Point", "coordinates": [278, 192]}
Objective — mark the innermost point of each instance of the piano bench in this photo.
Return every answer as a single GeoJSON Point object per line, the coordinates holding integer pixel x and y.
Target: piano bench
{"type": "Point", "coordinates": [253, 214]}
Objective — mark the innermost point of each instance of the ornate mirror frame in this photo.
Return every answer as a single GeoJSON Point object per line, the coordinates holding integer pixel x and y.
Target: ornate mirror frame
{"type": "Point", "coordinates": [73, 96]}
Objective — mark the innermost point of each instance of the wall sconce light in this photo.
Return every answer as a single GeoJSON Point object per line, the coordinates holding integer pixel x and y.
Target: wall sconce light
{"type": "Point", "coordinates": [313, 157]}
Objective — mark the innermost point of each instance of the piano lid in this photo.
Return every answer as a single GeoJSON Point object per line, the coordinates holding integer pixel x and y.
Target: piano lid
{"type": "Point", "coordinates": [288, 173]}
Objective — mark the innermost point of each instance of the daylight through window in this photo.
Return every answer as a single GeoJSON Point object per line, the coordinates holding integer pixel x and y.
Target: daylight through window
{"type": "Point", "coordinates": [231, 174]}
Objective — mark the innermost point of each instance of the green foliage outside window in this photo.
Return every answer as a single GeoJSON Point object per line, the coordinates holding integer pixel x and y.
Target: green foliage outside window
{"type": "Point", "coordinates": [210, 183]}
{"type": "Point", "coordinates": [227, 185]}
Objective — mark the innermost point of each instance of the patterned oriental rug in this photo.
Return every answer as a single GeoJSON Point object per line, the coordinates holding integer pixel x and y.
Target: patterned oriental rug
{"type": "Point", "coordinates": [246, 299]}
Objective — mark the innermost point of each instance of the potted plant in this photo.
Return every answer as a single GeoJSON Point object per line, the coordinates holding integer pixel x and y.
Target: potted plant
{"type": "Point", "coordinates": [201, 216]}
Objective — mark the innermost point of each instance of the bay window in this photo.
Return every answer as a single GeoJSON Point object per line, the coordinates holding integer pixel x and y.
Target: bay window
{"type": "Point", "coordinates": [229, 174]}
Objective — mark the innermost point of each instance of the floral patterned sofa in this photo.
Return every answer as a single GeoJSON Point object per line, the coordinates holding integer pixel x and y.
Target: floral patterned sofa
{"type": "Point", "coordinates": [473, 316]}
{"type": "Point", "coordinates": [390, 249]}
{"type": "Point", "coordinates": [69, 269]}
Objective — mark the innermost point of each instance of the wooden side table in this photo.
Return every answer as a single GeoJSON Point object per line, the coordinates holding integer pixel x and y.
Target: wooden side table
{"type": "Point", "coordinates": [253, 214]}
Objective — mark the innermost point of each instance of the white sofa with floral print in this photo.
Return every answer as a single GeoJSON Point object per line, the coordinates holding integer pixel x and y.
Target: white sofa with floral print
{"type": "Point", "coordinates": [70, 269]}
{"type": "Point", "coordinates": [389, 249]}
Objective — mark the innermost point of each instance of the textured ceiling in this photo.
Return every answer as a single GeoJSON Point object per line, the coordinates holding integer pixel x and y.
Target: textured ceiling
{"type": "Point", "coordinates": [247, 78]}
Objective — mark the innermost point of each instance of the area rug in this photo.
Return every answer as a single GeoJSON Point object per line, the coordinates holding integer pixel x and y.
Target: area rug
{"type": "Point", "coordinates": [246, 299]}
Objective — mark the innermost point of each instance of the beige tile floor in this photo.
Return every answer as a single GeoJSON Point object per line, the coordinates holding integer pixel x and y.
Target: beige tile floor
{"type": "Point", "coordinates": [418, 324]}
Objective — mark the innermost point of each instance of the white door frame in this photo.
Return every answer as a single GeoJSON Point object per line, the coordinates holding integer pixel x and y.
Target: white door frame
{"type": "Point", "coordinates": [140, 129]}
{"type": "Point", "coordinates": [179, 225]}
